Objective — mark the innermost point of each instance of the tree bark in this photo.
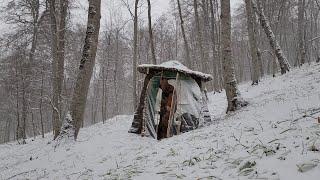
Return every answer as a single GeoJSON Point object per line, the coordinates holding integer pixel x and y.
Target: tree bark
{"type": "Point", "coordinates": [301, 31]}
{"type": "Point", "coordinates": [185, 41]}
{"type": "Point", "coordinates": [41, 100]}
{"type": "Point", "coordinates": [253, 43]}
{"type": "Point", "coordinates": [86, 65]}
{"type": "Point", "coordinates": [284, 64]}
{"type": "Point", "coordinates": [135, 54]}
{"type": "Point", "coordinates": [215, 60]}
{"type": "Point", "coordinates": [58, 26]}
{"type": "Point", "coordinates": [153, 55]}
{"type": "Point", "coordinates": [19, 130]}
{"type": "Point", "coordinates": [103, 107]}
{"type": "Point", "coordinates": [230, 83]}
{"type": "Point", "coordinates": [199, 36]}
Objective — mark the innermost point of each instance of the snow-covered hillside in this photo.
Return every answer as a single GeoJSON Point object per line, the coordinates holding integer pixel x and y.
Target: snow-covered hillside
{"type": "Point", "coordinates": [276, 137]}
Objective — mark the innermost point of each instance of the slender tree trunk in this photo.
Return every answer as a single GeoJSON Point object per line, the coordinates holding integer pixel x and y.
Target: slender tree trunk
{"type": "Point", "coordinates": [41, 99]}
{"type": "Point", "coordinates": [115, 74]}
{"type": "Point", "coordinates": [96, 104]}
{"type": "Point", "coordinates": [153, 55]}
{"type": "Point", "coordinates": [219, 48]}
{"type": "Point", "coordinates": [215, 60]}
{"type": "Point", "coordinates": [136, 126]}
{"type": "Point", "coordinates": [316, 32]}
{"type": "Point", "coordinates": [8, 125]}
{"type": "Point", "coordinates": [253, 43]}
{"type": "Point", "coordinates": [86, 65]}
{"type": "Point", "coordinates": [199, 36]}
{"type": "Point", "coordinates": [301, 31]}
{"type": "Point", "coordinates": [33, 125]}
{"type": "Point", "coordinates": [135, 54]}
{"type": "Point", "coordinates": [233, 95]}
{"type": "Point", "coordinates": [19, 128]}
{"type": "Point", "coordinates": [317, 43]}
{"type": "Point", "coordinates": [24, 110]}
{"type": "Point", "coordinates": [103, 108]}
{"type": "Point", "coordinates": [284, 64]}
{"type": "Point", "coordinates": [208, 65]}
{"type": "Point", "coordinates": [185, 41]}
{"type": "Point", "coordinates": [274, 67]}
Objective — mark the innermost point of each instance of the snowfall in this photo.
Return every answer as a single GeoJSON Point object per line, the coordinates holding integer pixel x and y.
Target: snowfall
{"type": "Point", "coordinates": [276, 137]}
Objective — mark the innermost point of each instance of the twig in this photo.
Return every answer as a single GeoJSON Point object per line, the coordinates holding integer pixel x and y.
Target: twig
{"type": "Point", "coordinates": [287, 130]}
{"type": "Point", "coordinates": [238, 140]}
{"type": "Point", "coordinates": [21, 174]}
{"type": "Point", "coordinates": [312, 112]}
{"type": "Point", "coordinates": [279, 122]}
{"type": "Point", "coordinates": [273, 140]}
{"type": "Point", "coordinates": [307, 115]}
{"type": "Point", "coordinates": [54, 108]}
{"type": "Point", "coordinates": [313, 39]}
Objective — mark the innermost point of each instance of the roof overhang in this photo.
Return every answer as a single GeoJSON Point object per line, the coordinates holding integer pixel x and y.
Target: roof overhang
{"type": "Point", "coordinates": [173, 66]}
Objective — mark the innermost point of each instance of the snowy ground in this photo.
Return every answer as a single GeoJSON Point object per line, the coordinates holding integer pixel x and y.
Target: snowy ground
{"type": "Point", "coordinates": [275, 137]}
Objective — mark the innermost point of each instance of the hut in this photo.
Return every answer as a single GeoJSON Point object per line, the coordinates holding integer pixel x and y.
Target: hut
{"type": "Point", "coordinates": [173, 100]}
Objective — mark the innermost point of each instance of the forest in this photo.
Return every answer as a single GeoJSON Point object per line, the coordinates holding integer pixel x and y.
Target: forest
{"type": "Point", "coordinates": [159, 89]}
{"type": "Point", "coordinates": [44, 47]}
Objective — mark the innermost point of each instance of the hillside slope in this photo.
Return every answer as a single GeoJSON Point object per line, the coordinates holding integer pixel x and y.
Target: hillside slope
{"type": "Point", "coordinates": [276, 137]}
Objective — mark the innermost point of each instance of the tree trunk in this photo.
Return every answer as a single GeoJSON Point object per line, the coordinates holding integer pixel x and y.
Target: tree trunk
{"type": "Point", "coordinates": [230, 83]}
{"type": "Point", "coordinates": [61, 51]}
{"type": "Point", "coordinates": [8, 125]}
{"type": "Point", "coordinates": [215, 60]}
{"type": "Point", "coordinates": [153, 55]}
{"type": "Point", "coordinates": [253, 43]}
{"type": "Point", "coordinates": [103, 107]}
{"type": "Point", "coordinates": [55, 83]}
{"type": "Point", "coordinates": [284, 64]}
{"type": "Point", "coordinates": [135, 54]}
{"type": "Point", "coordinates": [86, 65]}
{"type": "Point", "coordinates": [58, 28]}
{"type": "Point", "coordinates": [208, 65]}
{"type": "Point", "coordinates": [185, 41]}
{"type": "Point", "coordinates": [41, 98]}
{"type": "Point", "coordinates": [203, 60]}
{"type": "Point", "coordinates": [33, 125]}
{"type": "Point", "coordinates": [24, 109]}
{"type": "Point", "coordinates": [315, 6]}
{"type": "Point", "coordinates": [136, 126]}
{"type": "Point", "coordinates": [301, 31]}
{"type": "Point", "coordinates": [19, 128]}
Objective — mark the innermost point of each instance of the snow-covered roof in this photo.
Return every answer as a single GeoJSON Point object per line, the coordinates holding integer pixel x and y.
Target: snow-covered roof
{"type": "Point", "coordinates": [173, 66]}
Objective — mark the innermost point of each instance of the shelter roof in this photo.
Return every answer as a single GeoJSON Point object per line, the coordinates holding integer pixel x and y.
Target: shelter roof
{"type": "Point", "coordinates": [173, 66]}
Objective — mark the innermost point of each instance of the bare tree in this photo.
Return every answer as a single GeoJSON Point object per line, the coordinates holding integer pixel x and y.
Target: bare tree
{"type": "Point", "coordinates": [301, 33]}
{"type": "Point", "coordinates": [135, 54]}
{"type": "Point", "coordinates": [86, 65]}
{"type": "Point", "coordinates": [153, 54]}
{"type": "Point", "coordinates": [230, 83]}
{"type": "Point", "coordinates": [214, 44]}
{"type": "Point", "coordinates": [27, 15]}
{"type": "Point", "coordinates": [58, 29]}
{"type": "Point", "coordinates": [185, 41]}
{"type": "Point", "coordinates": [284, 64]}
{"type": "Point", "coordinates": [253, 43]}
{"type": "Point", "coordinates": [199, 36]}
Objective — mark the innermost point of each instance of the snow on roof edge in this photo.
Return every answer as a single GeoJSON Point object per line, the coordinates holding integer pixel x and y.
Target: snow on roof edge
{"type": "Point", "coordinates": [174, 66]}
